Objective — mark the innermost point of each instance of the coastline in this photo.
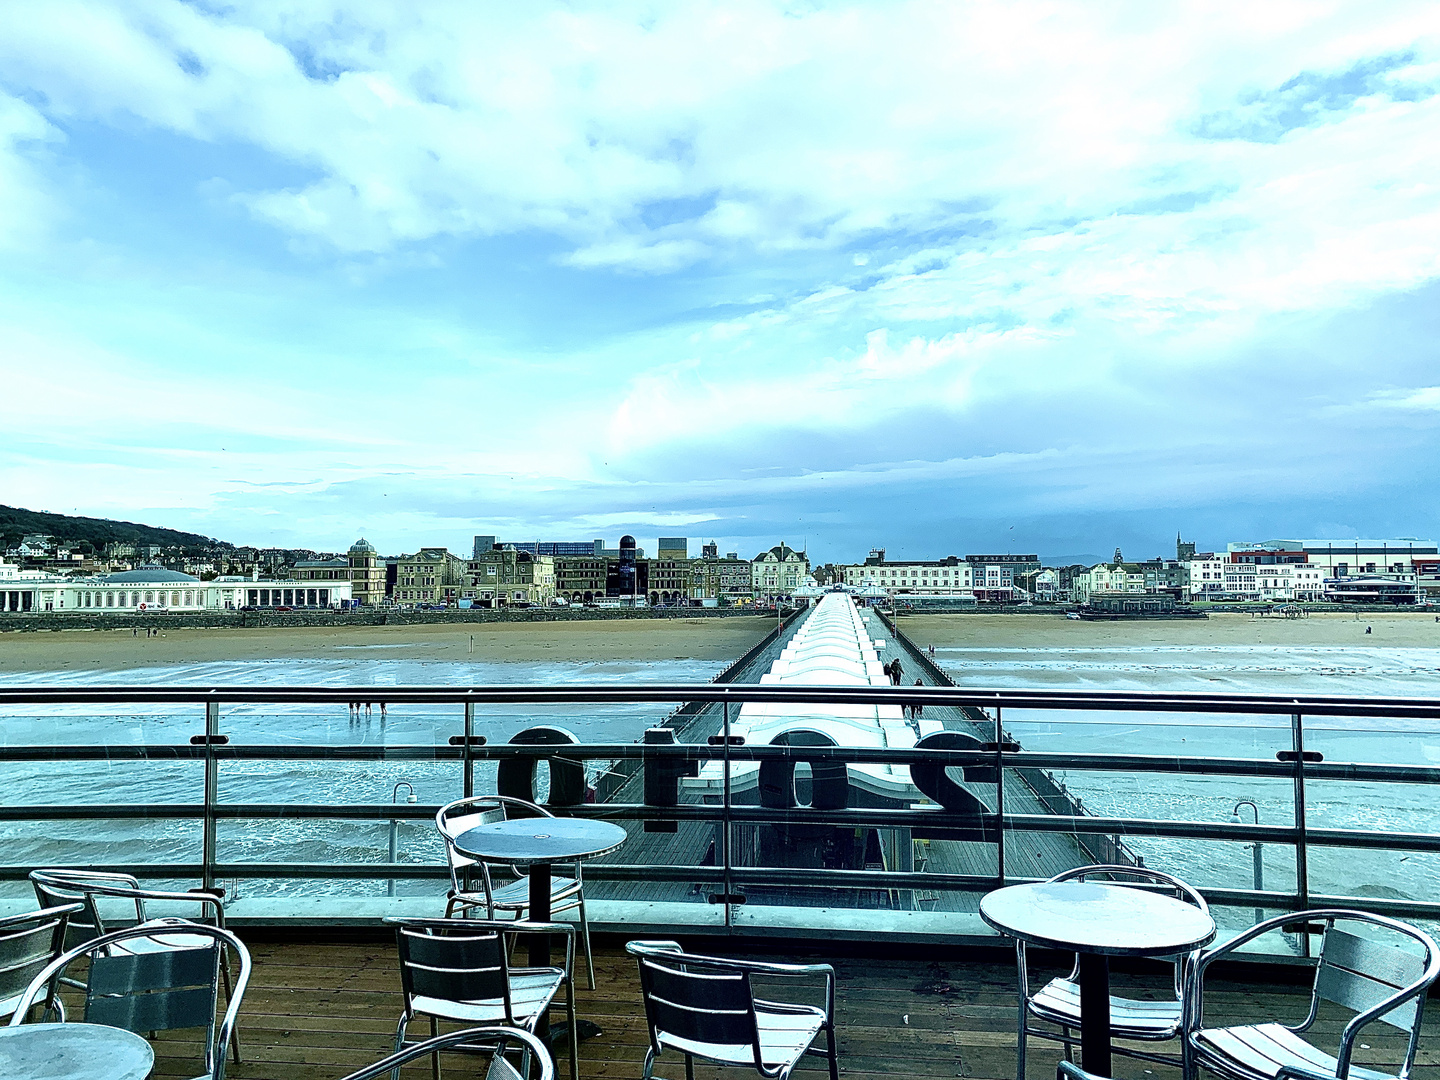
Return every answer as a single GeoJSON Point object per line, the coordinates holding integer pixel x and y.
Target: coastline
{"type": "Point", "coordinates": [718, 640]}
{"type": "Point", "coordinates": [1407, 630]}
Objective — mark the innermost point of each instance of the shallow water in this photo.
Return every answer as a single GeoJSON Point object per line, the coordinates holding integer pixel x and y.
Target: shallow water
{"type": "Point", "coordinates": [1347, 670]}
{"type": "Point", "coordinates": [141, 840]}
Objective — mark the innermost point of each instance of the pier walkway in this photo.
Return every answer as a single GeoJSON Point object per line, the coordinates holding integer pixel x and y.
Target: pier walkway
{"type": "Point", "coordinates": [1028, 855]}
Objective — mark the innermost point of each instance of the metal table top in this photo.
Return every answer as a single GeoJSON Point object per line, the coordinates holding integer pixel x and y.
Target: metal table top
{"type": "Point", "coordinates": [73, 1052]}
{"type": "Point", "coordinates": [540, 840]}
{"type": "Point", "coordinates": [1092, 917]}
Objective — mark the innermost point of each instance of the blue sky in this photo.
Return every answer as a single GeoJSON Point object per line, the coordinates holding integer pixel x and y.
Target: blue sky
{"type": "Point", "coordinates": [940, 277]}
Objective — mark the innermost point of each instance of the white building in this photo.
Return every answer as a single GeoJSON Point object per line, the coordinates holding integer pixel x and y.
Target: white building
{"type": "Point", "coordinates": [154, 589]}
{"type": "Point", "coordinates": [778, 572]}
{"type": "Point", "coordinates": [950, 577]}
{"type": "Point", "coordinates": [1256, 572]}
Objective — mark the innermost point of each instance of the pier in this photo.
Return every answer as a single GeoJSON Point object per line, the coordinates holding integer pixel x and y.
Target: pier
{"type": "Point", "coordinates": [836, 642]}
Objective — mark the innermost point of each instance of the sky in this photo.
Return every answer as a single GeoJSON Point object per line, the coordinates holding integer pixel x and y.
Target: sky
{"type": "Point", "coordinates": [941, 277]}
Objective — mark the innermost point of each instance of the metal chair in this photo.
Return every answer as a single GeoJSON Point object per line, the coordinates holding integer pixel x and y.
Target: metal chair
{"type": "Point", "coordinates": [28, 943]}
{"type": "Point", "coordinates": [458, 970]}
{"type": "Point", "coordinates": [705, 1008]}
{"type": "Point", "coordinates": [1375, 977]}
{"type": "Point", "coordinates": [60, 886]}
{"type": "Point", "coordinates": [163, 989]}
{"type": "Point", "coordinates": [567, 891]}
{"type": "Point", "coordinates": [1058, 1001]}
{"type": "Point", "coordinates": [499, 1069]}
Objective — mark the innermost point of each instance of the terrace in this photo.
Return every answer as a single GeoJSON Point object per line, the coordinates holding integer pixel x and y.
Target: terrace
{"type": "Point", "coordinates": [175, 784]}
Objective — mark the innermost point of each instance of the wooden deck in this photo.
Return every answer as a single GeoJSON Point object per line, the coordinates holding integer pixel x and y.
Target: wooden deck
{"type": "Point", "coordinates": [320, 1011]}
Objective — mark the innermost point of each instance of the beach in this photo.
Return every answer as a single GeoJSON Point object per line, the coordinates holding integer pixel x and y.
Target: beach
{"type": "Point", "coordinates": [1404, 629]}
{"type": "Point", "coordinates": [716, 641]}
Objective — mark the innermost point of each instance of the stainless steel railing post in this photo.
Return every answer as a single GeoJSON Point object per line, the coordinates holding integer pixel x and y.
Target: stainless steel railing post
{"type": "Point", "coordinates": [212, 787]}
{"type": "Point", "coordinates": [1000, 795]}
{"type": "Point", "coordinates": [468, 755]}
{"type": "Point", "coordinates": [725, 817]}
{"type": "Point", "coordinates": [1302, 854]}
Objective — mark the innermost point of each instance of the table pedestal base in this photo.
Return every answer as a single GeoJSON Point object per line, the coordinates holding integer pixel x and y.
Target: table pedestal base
{"type": "Point", "coordinates": [1095, 1014]}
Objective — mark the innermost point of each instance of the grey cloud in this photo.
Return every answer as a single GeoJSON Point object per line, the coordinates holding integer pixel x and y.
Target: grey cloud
{"type": "Point", "coordinates": [1310, 98]}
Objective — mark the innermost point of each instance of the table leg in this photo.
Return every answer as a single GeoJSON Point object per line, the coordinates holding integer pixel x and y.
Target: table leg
{"type": "Point", "coordinates": [1095, 1014]}
{"type": "Point", "coordinates": [539, 912]}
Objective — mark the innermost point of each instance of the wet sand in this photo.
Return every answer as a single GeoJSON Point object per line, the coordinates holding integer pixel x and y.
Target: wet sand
{"type": "Point", "coordinates": [1398, 630]}
{"type": "Point", "coordinates": [713, 639]}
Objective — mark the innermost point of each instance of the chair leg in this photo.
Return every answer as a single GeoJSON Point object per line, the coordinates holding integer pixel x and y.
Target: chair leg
{"type": "Point", "coordinates": [585, 936]}
{"type": "Point", "coordinates": [399, 1043]}
{"type": "Point", "coordinates": [1020, 1045]}
{"type": "Point", "coordinates": [574, 1030]}
{"type": "Point", "coordinates": [225, 979]}
{"type": "Point", "coordinates": [649, 1064]}
{"type": "Point", "coordinates": [834, 1057]}
{"type": "Point", "coordinates": [435, 1057]}
{"type": "Point", "coordinates": [1069, 1046]}
{"type": "Point", "coordinates": [689, 1067]}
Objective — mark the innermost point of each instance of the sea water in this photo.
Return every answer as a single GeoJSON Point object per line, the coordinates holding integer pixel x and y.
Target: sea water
{"type": "Point", "coordinates": [150, 785]}
{"type": "Point", "coordinates": [1340, 670]}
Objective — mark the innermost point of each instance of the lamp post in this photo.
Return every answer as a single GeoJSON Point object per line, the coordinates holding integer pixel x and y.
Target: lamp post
{"type": "Point", "coordinates": [1255, 852]}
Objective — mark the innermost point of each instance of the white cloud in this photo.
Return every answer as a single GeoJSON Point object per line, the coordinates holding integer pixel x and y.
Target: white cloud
{"type": "Point", "coordinates": [26, 205]}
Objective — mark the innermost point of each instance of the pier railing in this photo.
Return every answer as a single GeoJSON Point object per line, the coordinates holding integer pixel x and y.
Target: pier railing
{"type": "Point", "coordinates": [175, 783]}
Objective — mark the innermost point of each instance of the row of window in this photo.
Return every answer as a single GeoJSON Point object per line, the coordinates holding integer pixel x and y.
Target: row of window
{"type": "Point", "coordinates": [126, 599]}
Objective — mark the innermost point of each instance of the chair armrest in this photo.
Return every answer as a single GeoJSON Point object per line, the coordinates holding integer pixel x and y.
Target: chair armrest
{"type": "Point", "coordinates": [1068, 1070]}
{"type": "Point", "coordinates": [460, 1038]}
{"type": "Point", "coordinates": [1300, 1072]}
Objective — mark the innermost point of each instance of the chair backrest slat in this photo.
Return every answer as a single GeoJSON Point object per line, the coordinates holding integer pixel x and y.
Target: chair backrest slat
{"type": "Point", "coordinates": [1359, 974]}
{"type": "Point", "coordinates": [162, 1011]}
{"type": "Point", "coordinates": [698, 1005]}
{"type": "Point", "coordinates": [159, 991]}
{"type": "Point", "coordinates": [27, 944]}
{"type": "Point", "coordinates": [456, 967]}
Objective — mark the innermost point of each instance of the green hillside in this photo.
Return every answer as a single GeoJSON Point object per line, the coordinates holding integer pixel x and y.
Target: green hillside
{"type": "Point", "coordinates": [16, 522]}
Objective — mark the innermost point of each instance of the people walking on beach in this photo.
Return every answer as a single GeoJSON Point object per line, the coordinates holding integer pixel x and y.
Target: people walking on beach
{"type": "Point", "coordinates": [382, 710]}
{"type": "Point", "coordinates": [917, 708]}
{"type": "Point", "coordinates": [367, 710]}
{"type": "Point", "coordinates": [896, 672]}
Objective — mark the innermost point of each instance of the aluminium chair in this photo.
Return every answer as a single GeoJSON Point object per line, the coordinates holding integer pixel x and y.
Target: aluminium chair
{"type": "Point", "coordinates": [458, 971]}
{"type": "Point", "coordinates": [705, 1008]}
{"type": "Point", "coordinates": [1058, 1001]}
{"type": "Point", "coordinates": [28, 942]}
{"type": "Point", "coordinates": [567, 890]}
{"type": "Point", "coordinates": [91, 887]}
{"type": "Point", "coordinates": [1373, 967]}
{"type": "Point", "coordinates": [499, 1069]}
{"type": "Point", "coordinates": [148, 990]}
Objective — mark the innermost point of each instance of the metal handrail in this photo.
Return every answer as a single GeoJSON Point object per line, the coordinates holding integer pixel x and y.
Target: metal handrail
{"type": "Point", "coordinates": [612, 693]}
{"type": "Point", "coordinates": [1290, 712]}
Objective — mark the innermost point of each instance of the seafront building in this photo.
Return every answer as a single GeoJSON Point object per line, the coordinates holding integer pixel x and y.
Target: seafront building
{"type": "Point", "coordinates": [779, 572]}
{"type": "Point", "coordinates": [430, 576]}
{"type": "Point", "coordinates": [154, 589]}
{"type": "Point", "coordinates": [508, 577]}
{"type": "Point", "coordinates": [950, 577]}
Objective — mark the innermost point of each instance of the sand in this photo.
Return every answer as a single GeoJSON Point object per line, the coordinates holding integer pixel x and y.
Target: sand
{"type": "Point", "coordinates": [714, 639]}
{"type": "Point", "coordinates": [1417, 629]}
{"type": "Point", "coordinates": [711, 639]}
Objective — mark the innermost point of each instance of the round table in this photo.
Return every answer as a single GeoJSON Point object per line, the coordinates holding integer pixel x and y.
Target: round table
{"type": "Point", "coordinates": [538, 843]}
{"type": "Point", "coordinates": [73, 1052]}
{"type": "Point", "coordinates": [1097, 921]}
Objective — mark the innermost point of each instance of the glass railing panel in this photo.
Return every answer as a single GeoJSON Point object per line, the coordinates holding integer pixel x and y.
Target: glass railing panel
{"type": "Point", "coordinates": [1360, 874]}
{"type": "Point", "coordinates": [119, 842]}
{"type": "Point", "coordinates": [99, 724]}
{"type": "Point", "coordinates": [1170, 734]}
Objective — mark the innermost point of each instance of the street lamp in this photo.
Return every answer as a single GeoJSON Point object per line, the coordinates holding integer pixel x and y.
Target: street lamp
{"type": "Point", "coordinates": [1259, 865]}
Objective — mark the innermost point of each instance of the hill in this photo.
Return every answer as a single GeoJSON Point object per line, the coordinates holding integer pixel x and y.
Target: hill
{"type": "Point", "coordinates": [16, 522]}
